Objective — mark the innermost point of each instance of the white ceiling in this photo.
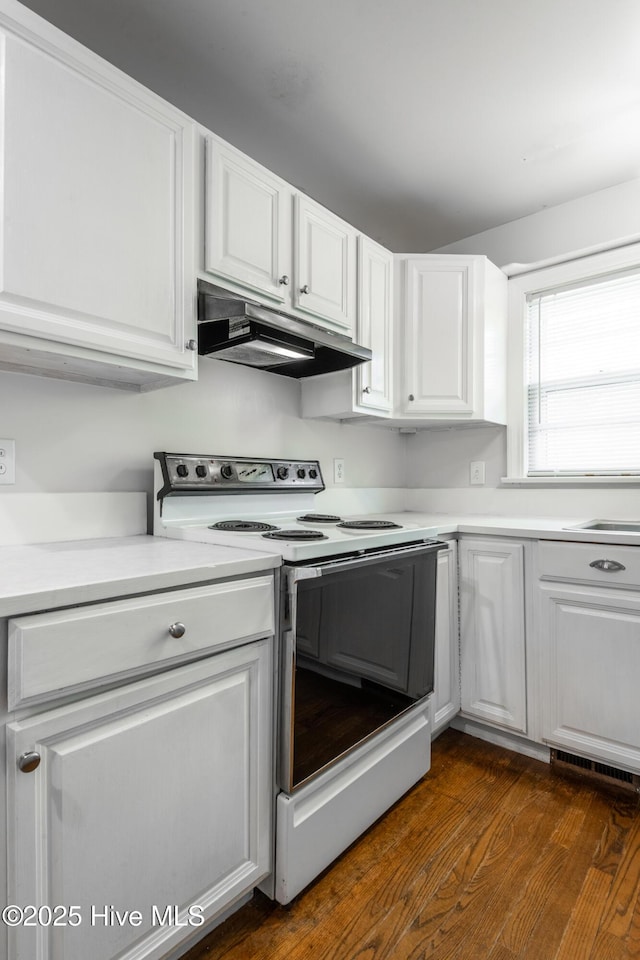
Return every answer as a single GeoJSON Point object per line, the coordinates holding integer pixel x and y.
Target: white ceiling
{"type": "Point", "coordinates": [419, 121]}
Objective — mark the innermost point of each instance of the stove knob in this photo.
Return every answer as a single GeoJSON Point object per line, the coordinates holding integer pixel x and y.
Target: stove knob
{"type": "Point", "coordinates": [226, 471]}
{"type": "Point", "coordinates": [313, 473]}
{"type": "Point", "coordinates": [201, 470]}
{"type": "Point", "coordinates": [301, 472]}
{"type": "Point", "coordinates": [182, 470]}
{"type": "Point", "coordinates": [282, 473]}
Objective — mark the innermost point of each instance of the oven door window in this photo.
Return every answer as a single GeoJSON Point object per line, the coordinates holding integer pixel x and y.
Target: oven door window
{"type": "Point", "coordinates": [364, 654]}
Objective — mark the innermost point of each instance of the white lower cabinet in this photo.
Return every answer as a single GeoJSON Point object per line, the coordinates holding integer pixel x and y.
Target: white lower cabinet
{"type": "Point", "coordinates": [149, 812]}
{"type": "Point", "coordinates": [445, 702]}
{"type": "Point", "coordinates": [589, 641]}
{"type": "Point", "coordinates": [139, 769]}
{"type": "Point", "coordinates": [492, 632]}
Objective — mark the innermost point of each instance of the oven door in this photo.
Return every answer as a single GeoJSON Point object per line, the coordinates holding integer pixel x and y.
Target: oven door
{"type": "Point", "coordinates": [358, 651]}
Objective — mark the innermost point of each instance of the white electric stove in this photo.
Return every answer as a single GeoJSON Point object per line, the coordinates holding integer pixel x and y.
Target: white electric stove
{"type": "Point", "coordinates": [355, 643]}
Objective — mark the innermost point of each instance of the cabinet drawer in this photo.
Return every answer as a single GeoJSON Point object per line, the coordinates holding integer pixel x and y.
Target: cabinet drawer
{"type": "Point", "coordinates": [572, 561]}
{"type": "Point", "coordinates": [54, 653]}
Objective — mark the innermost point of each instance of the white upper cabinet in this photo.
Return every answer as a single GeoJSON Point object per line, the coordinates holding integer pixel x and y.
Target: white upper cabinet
{"type": "Point", "coordinates": [452, 317]}
{"type": "Point", "coordinates": [247, 223]}
{"type": "Point", "coordinates": [267, 242]}
{"type": "Point", "coordinates": [325, 266]}
{"type": "Point", "coordinates": [366, 390]}
{"type": "Point", "coordinates": [97, 216]}
{"type": "Point", "coordinates": [373, 381]}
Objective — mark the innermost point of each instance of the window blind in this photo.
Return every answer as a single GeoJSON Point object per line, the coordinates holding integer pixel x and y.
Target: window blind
{"type": "Point", "coordinates": [583, 378]}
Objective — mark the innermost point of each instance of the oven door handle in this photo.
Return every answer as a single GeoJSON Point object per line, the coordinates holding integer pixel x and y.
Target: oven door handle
{"type": "Point", "coordinates": [351, 563]}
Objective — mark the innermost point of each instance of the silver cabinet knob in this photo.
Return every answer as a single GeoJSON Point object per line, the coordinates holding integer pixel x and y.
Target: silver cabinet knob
{"type": "Point", "coordinates": [305, 289]}
{"type": "Point", "coordinates": [284, 281]}
{"type": "Point", "coordinates": [191, 345]}
{"type": "Point", "coordinates": [29, 762]}
{"type": "Point", "coordinates": [366, 389]}
{"type": "Point", "coordinates": [612, 566]}
{"type": "Point", "coordinates": [177, 630]}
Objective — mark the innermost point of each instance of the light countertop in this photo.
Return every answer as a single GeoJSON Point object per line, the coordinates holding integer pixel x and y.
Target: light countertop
{"type": "Point", "coordinates": [48, 575]}
{"type": "Point", "coordinates": [535, 528]}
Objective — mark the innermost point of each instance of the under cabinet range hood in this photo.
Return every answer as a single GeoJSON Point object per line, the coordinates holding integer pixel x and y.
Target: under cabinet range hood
{"type": "Point", "coordinates": [247, 333]}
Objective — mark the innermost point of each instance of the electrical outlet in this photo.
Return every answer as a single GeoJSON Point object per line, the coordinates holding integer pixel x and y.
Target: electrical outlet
{"type": "Point", "coordinates": [7, 461]}
{"type": "Point", "coordinates": [476, 472]}
{"type": "Point", "coordinates": [338, 470]}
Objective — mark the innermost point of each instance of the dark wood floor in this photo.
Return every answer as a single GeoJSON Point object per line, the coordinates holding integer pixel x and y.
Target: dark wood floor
{"type": "Point", "coordinates": [490, 857]}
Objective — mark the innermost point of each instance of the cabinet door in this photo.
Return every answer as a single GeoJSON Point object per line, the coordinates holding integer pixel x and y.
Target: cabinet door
{"type": "Point", "coordinates": [97, 208]}
{"type": "Point", "coordinates": [248, 223]}
{"type": "Point", "coordinates": [325, 266]}
{"type": "Point", "coordinates": [439, 336]}
{"type": "Point", "coordinates": [590, 647]}
{"type": "Point", "coordinates": [446, 694]}
{"type": "Point", "coordinates": [373, 381]}
{"type": "Point", "coordinates": [492, 638]}
{"type": "Point", "coordinates": [154, 795]}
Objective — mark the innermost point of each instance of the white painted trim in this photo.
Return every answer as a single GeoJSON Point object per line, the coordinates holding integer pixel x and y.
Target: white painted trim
{"type": "Point", "coordinates": [520, 269]}
{"type": "Point", "coordinates": [596, 481]}
{"type": "Point", "coordinates": [501, 738]}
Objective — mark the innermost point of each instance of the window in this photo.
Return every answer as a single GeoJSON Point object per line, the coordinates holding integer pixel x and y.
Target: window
{"type": "Point", "coordinates": [583, 385]}
{"type": "Point", "coordinates": [578, 413]}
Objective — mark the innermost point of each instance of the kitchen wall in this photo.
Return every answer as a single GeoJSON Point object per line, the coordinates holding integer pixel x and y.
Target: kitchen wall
{"type": "Point", "coordinates": [79, 437]}
{"type": "Point", "coordinates": [438, 460]}
{"type": "Point", "coordinates": [598, 218]}
{"type": "Point", "coordinates": [76, 437]}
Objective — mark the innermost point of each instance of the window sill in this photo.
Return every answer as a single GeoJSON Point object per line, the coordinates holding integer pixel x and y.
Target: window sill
{"type": "Point", "coordinates": [570, 481]}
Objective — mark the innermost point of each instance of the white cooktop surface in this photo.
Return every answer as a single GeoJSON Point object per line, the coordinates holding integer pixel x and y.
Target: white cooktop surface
{"type": "Point", "coordinates": [192, 521]}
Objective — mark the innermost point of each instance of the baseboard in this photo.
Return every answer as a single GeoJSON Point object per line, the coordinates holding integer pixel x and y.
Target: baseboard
{"type": "Point", "coordinates": [502, 738]}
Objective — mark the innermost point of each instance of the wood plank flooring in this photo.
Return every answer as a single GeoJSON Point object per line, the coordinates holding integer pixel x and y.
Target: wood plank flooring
{"type": "Point", "coordinates": [489, 857]}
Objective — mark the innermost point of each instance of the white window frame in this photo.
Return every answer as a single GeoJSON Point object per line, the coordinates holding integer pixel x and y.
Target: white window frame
{"type": "Point", "coordinates": [522, 285]}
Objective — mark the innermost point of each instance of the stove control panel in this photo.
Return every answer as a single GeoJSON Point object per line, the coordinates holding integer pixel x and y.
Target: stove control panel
{"type": "Point", "coordinates": [189, 473]}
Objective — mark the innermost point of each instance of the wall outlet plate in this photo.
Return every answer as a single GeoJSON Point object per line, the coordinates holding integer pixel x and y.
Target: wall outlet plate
{"type": "Point", "coordinates": [338, 470]}
{"type": "Point", "coordinates": [476, 472]}
{"type": "Point", "coordinates": [7, 461]}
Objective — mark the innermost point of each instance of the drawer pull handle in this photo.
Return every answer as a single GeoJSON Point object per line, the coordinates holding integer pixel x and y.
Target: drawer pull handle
{"type": "Point", "coordinates": [612, 566]}
{"type": "Point", "coordinates": [29, 762]}
{"type": "Point", "coordinates": [177, 630]}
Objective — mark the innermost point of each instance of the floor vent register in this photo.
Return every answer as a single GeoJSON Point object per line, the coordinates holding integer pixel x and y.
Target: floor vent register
{"type": "Point", "coordinates": [602, 774]}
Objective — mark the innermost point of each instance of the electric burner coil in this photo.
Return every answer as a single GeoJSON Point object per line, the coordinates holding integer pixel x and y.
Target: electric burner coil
{"type": "Point", "coordinates": [369, 525]}
{"type": "Point", "coordinates": [318, 518]}
{"type": "Point", "coordinates": [242, 526]}
{"type": "Point", "coordinates": [295, 535]}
